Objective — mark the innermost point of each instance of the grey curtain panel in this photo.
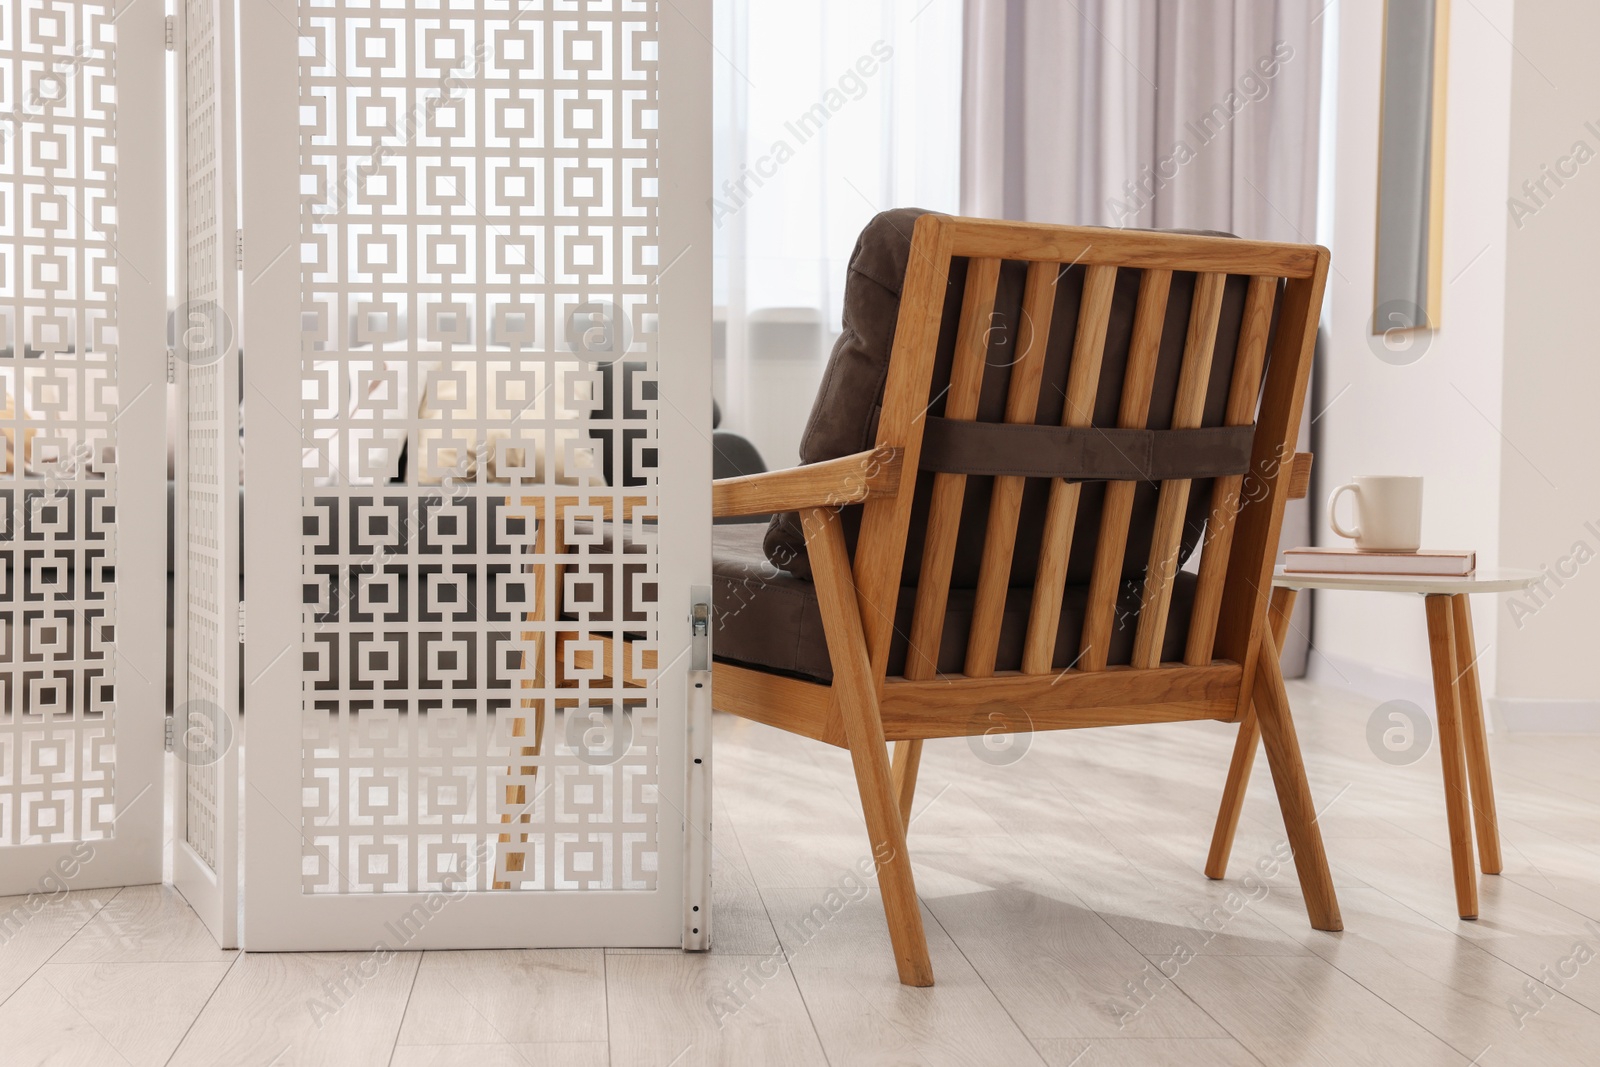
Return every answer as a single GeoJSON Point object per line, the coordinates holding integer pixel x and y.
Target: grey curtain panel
{"type": "Point", "coordinates": [1161, 113]}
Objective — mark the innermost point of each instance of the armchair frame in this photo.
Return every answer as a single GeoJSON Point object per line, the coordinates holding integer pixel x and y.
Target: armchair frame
{"type": "Point", "coordinates": [1231, 657]}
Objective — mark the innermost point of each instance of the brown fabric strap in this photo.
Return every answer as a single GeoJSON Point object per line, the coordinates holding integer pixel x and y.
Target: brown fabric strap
{"type": "Point", "coordinates": [1084, 454]}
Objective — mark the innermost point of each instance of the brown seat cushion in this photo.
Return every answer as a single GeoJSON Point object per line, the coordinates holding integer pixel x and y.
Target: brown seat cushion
{"type": "Point", "coordinates": [769, 619]}
{"type": "Point", "coordinates": [844, 418]}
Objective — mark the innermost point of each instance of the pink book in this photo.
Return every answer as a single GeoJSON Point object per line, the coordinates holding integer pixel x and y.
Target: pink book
{"type": "Point", "coordinates": [1449, 563]}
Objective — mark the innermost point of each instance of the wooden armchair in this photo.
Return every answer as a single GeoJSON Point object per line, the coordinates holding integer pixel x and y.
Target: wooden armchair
{"type": "Point", "coordinates": [1063, 411]}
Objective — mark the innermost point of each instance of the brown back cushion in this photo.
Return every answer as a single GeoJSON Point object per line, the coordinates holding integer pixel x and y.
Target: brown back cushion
{"type": "Point", "coordinates": [844, 418]}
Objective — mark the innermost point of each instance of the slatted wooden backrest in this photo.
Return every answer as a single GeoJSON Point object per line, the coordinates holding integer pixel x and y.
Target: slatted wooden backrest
{"type": "Point", "coordinates": [1246, 511]}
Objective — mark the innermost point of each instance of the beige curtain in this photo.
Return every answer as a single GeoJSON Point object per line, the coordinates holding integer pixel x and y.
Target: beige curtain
{"type": "Point", "coordinates": [1170, 113]}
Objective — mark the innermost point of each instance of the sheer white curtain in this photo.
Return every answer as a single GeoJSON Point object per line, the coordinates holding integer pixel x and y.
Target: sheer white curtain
{"type": "Point", "coordinates": [826, 112]}
{"type": "Point", "coordinates": [1145, 113]}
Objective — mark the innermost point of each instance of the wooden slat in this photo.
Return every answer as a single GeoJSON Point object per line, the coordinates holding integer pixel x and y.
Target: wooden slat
{"type": "Point", "coordinates": [1193, 377]}
{"type": "Point", "coordinates": [1005, 499]}
{"type": "Point", "coordinates": [774, 699]}
{"type": "Point", "coordinates": [1243, 391]}
{"type": "Point", "coordinates": [1094, 246]}
{"type": "Point", "coordinates": [1260, 520]}
{"type": "Point", "coordinates": [832, 483]}
{"type": "Point", "coordinates": [944, 509]}
{"type": "Point", "coordinates": [1061, 511]}
{"type": "Point", "coordinates": [1138, 380]}
{"type": "Point", "coordinates": [1116, 696]}
{"type": "Point", "coordinates": [1300, 475]}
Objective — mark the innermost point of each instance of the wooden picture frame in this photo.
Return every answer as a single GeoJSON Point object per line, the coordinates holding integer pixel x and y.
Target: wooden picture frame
{"type": "Point", "coordinates": [1408, 281]}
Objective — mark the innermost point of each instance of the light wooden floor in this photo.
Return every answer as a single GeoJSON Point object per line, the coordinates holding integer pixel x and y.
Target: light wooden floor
{"type": "Point", "coordinates": [1068, 918]}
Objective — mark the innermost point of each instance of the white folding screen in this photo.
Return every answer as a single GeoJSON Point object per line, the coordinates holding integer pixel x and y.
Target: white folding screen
{"type": "Point", "coordinates": [475, 319]}
{"type": "Point", "coordinates": [82, 516]}
{"type": "Point", "coordinates": [471, 335]}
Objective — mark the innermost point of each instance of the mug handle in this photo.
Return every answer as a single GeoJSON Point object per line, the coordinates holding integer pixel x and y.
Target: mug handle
{"type": "Point", "coordinates": [1333, 510]}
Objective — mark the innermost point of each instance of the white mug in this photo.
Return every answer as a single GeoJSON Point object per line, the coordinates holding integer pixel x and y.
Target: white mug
{"type": "Point", "coordinates": [1388, 513]}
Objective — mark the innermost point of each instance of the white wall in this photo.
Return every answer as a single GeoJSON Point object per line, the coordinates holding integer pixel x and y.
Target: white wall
{"type": "Point", "coordinates": [1437, 416]}
{"type": "Point", "coordinates": [1550, 457]}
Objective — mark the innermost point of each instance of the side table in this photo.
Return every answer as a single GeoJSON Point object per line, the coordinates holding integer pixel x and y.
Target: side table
{"type": "Point", "coordinates": [1463, 747]}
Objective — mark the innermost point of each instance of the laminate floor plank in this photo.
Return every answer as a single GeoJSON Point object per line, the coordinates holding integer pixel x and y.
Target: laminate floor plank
{"type": "Point", "coordinates": [837, 946]}
{"type": "Point", "coordinates": [1291, 1010]}
{"type": "Point", "coordinates": [342, 1009]}
{"type": "Point", "coordinates": [507, 997]}
{"type": "Point", "coordinates": [144, 924]}
{"type": "Point", "coordinates": [704, 1010]}
{"type": "Point", "coordinates": [94, 1013]}
{"type": "Point", "coordinates": [34, 927]}
{"type": "Point", "coordinates": [1464, 995]}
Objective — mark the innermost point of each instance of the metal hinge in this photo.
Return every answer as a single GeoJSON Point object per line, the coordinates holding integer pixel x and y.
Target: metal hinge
{"type": "Point", "coordinates": [700, 634]}
{"type": "Point", "coordinates": [172, 33]}
{"type": "Point", "coordinates": [167, 732]}
{"type": "Point", "coordinates": [697, 792]}
{"type": "Point", "coordinates": [238, 249]}
{"type": "Point", "coordinates": [241, 622]}
{"type": "Point", "coordinates": [172, 367]}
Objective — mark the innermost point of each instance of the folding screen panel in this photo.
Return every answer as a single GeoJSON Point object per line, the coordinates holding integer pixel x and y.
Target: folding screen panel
{"type": "Point", "coordinates": [82, 522]}
{"type": "Point", "coordinates": [476, 324]}
{"type": "Point", "coordinates": [207, 561]}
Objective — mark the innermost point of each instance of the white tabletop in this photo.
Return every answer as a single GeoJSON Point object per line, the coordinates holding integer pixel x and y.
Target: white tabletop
{"type": "Point", "coordinates": [1483, 580]}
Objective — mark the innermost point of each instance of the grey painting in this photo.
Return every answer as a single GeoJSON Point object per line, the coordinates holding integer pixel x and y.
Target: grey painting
{"type": "Point", "coordinates": [1406, 293]}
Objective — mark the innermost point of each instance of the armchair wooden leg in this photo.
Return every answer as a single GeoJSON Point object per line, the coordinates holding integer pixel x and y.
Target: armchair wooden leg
{"type": "Point", "coordinates": [1452, 755]}
{"type": "Point", "coordinates": [855, 694]}
{"type": "Point", "coordinates": [1477, 742]}
{"type": "Point", "coordinates": [1294, 791]}
{"type": "Point", "coordinates": [1244, 751]}
{"type": "Point", "coordinates": [886, 832]}
{"type": "Point", "coordinates": [1239, 768]}
{"type": "Point", "coordinates": [907, 761]}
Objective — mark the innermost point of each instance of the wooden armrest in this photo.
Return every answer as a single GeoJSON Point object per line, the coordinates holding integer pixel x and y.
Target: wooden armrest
{"type": "Point", "coordinates": [1299, 475]}
{"type": "Point", "coordinates": [831, 483]}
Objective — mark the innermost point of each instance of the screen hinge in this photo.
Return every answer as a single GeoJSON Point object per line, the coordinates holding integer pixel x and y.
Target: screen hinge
{"type": "Point", "coordinates": [167, 732]}
{"type": "Point", "coordinates": [238, 249]}
{"type": "Point", "coordinates": [172, 35]}
{"type": "Point", "coordinates": [697, 796]}
{"type": "Point", "coordinates": [700, 635]}
{"type": "Point", "coordinates": [241, 622]}
{"type": "Point", "coordinates": [172, 367]}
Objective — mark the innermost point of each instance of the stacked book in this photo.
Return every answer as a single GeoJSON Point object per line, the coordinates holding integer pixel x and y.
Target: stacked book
{"type": "Point", "coordinates": [1449, 563]}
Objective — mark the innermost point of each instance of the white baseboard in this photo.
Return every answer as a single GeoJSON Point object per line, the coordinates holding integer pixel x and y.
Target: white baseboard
{"type": "Point", "coordinates": [1514, 715]}
{"type": "Point", "coordinates": [1370, 682]}
{"type": "Point", "coordinates": [1520, 715]}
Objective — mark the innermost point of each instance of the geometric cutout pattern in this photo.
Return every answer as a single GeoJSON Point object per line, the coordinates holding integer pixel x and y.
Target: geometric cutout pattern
{"type": "Point", "coordinates": [479, 259]}
{"type": "Point", "coordinates": [58, 404]}
{"type": "Point", "coordinates": [203, 687]}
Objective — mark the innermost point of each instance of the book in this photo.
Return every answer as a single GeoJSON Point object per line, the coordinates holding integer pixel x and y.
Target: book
{"type": "Point", "coordinates": [1449, 563]}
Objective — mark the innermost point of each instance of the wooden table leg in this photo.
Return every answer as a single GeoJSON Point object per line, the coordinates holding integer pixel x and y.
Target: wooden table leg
{"type": "Point", "coordinates": [1441, 648]}
{"type": "Point", "coordinates": [1244, 752]}
{"type": "Point", "coordinates": [1473, 734]}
